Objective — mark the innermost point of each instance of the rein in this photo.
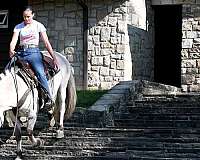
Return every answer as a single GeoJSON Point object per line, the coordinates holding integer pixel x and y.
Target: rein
{"type": "Point", "coordinates": [22, 99]}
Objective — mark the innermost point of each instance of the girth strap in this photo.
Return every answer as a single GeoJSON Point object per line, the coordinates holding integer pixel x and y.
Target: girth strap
{"type": "Point", "coordinates": [23, 98]}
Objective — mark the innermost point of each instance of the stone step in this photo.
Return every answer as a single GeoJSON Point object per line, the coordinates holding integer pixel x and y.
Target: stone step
{"type": "Point", "coordinates": [155, 152]}
{"type": "Point", "coordinates": [162, 155]}
{"type": "Point", "coordinates": [76, 117]}
{"type": "Point", "coordinates": [115, 156]}
{"type": "Point", "coordinates": [104, 141]}
{"type": "Point", "coordinates": [134, 123]}
{"type": "Point", "coordinates": [175, 97]}
{"type": "Point", "coordinates": [111, 132]}
{"type": "Point", "coordinates": [158, 116]}
{"type": "Point", "coordinates": [165, 99]}
{"type": "Point", "coordinates": [61, 157]}
{"type": "Point", "coordinates": [164, 104]}
{"type": "Point", "coordinates": [44, 124]}
{"type": "Point", "coordinates": [163, 110]}
{"type": "Point", "coordinates": [102, 149]}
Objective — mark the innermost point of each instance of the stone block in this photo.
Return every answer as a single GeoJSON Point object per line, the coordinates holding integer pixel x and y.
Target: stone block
{"type": "Point", "coordinates": [98, 61]}
{"type": "Point", "coordinates": [120, 64]}
{"type": "Point", "coordinates": [187, 43]}
{"type": "Point", "coordinates": [104, 71]}
{"type": "Point", "coordinates": [105, 34]}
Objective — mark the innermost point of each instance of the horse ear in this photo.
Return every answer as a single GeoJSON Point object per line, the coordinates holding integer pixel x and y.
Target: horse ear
{"type": "Point", "coordinates": [6, 72]}
{"type": "Point", "coordinates": [2, 75]}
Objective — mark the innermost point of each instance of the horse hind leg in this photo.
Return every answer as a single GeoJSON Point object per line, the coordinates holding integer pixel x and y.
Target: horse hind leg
{"type": "Point", "coordinates": [68, 102]}
{"type": "Point", "coordinates": [62, 97]}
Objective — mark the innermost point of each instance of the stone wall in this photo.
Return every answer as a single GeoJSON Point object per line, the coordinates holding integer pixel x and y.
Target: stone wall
{"type": "Point", "coordinates": [190, 48]}
{"type": "Point", "coordinates": [63, 20]}
{"type": "Point", "coordinates": [120, 44]}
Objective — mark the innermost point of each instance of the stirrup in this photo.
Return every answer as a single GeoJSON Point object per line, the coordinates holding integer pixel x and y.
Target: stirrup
{"type": "Point", "coordinates": [48, 103]}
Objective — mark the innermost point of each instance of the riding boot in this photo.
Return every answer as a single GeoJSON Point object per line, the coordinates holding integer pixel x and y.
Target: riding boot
{"type": "Point", "coordinates": [48, 102]}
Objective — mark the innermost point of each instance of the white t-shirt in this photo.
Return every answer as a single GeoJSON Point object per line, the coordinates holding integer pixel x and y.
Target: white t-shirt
{"type": "Point", "coordinates": [29, 34]}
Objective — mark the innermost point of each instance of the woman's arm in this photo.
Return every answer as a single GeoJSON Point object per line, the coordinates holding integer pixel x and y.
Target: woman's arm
{"type": "Point", "coordinates": [13, 44]}
{"type": "Point", "coordinates": [48, 47]}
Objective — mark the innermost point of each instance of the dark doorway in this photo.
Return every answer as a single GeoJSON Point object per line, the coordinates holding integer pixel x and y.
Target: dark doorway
{"type": "Point", "coordinates": [168, 38]}
{"type": "Point", "coordinates": [14, 9]}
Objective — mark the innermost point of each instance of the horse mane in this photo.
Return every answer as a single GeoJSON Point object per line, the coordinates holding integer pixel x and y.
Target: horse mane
{"type": "Point", "coordinates": [6, 73]}
{"type": "Point", "coordinates": [3, 75]}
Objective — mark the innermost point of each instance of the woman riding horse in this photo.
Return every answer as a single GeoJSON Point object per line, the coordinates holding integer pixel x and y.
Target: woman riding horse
{"type": "Point", "coordinates": [29, 32]}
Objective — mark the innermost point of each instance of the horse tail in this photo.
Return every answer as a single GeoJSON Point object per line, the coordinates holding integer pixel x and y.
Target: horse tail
{"type": "Point", "coordinates": [71, 97]}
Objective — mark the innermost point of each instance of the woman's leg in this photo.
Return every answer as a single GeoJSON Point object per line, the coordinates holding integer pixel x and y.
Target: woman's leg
{"type": "Point", "coordinates": [35, 60]}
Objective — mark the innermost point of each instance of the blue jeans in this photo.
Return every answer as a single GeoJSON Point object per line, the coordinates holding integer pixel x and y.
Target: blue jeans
{"type": "Point", "coordinates": [34, 58]}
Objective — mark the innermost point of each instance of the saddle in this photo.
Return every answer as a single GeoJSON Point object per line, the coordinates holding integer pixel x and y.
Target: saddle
{"type": "Point", "coordinates": [49, 67]}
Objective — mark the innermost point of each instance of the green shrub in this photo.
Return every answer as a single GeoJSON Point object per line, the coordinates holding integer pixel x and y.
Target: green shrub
{"type": "Point", "coordinates": [86, 98]}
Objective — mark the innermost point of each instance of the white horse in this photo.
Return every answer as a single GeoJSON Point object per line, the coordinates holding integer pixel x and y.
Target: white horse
{"type": "Point", "coordinates": [16, 94]}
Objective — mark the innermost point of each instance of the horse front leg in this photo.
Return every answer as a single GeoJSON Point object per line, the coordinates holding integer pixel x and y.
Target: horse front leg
{"type": "Point", "coordinates": [30, 127]}
{"type": "Point", "coordinates": [18, 137]}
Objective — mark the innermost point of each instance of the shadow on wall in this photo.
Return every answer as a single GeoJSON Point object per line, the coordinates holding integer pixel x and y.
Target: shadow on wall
{"type": "Point", "coordinates": [141, 43]}
{"type": "Point", "coordinates": [99, 11]}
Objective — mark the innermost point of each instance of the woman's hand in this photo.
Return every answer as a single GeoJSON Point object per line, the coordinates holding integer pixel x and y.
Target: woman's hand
{"type": "Point", "coordinates": [55, 62]}
{"type": "Point", "coordinates": [12, 53]}
{"type": "Point", "coordinates": [13, 44]}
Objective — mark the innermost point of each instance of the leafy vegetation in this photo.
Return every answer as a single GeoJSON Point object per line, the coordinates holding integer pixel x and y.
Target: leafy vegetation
{"type": "Point", "coordinates": [86, 98]}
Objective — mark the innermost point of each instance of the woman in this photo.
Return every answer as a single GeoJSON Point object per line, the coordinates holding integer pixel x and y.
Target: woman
{"type": "Point", "coordinates": [29, 33]}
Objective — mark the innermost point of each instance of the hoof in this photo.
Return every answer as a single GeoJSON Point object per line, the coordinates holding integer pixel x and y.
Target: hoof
{"type": "Point", "coordinates": [52, 122]}
{"type": "Point", "coordinates": [59, 134]}
{"type": "Point", "coordinates": [38, 142]}
{"type": "Point", "coordinates": [11, 140]}
{"type": "Point", "coordinates": [19, 155]}
{"type": "Point", "coordinates": [18, 158]}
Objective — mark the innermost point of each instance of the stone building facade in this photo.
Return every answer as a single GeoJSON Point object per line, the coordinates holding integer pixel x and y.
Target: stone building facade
{"type": "Point", "coordinates": [116, 29]}
{"type": "Point", "coordinates": [190, 47]}
{"type": "Point", "coordinates": [119, 39]}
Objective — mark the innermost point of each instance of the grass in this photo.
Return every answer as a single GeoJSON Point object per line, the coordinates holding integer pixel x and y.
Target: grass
{"type": "Point", "coordinates": [86, 98]}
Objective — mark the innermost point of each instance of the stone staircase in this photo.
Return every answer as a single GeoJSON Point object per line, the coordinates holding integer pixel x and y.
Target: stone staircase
{"type": "Point", "coordinates": [145, 121]}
